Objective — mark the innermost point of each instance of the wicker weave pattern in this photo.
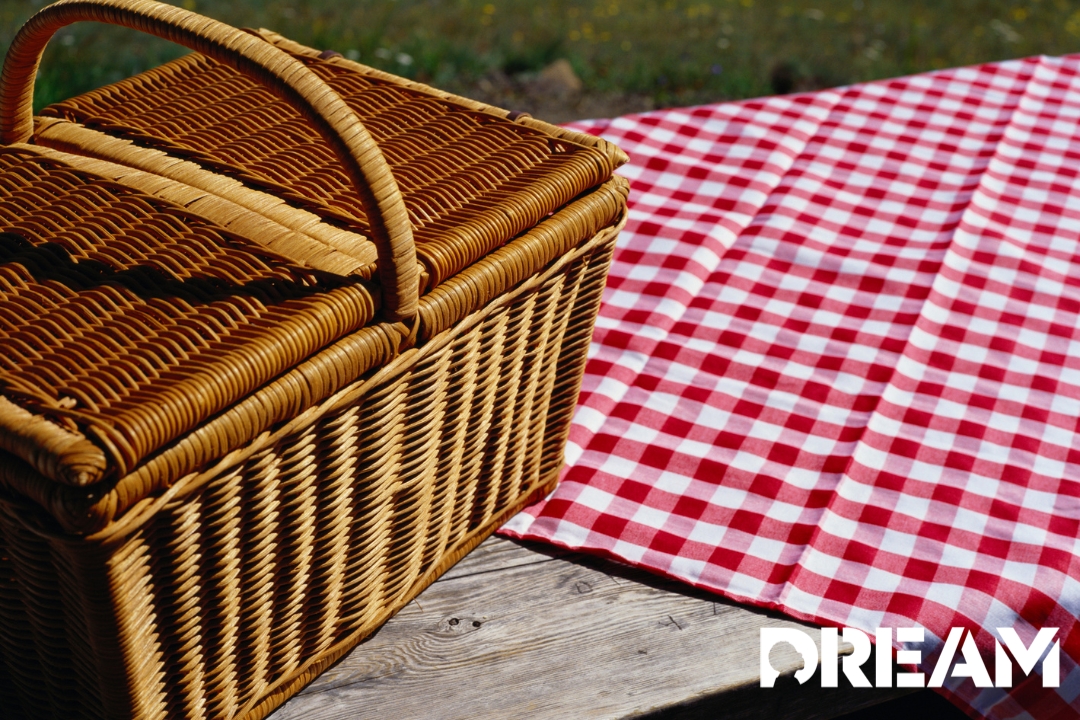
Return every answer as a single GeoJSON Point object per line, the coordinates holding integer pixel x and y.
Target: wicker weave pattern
{"type": "Point", "coordinates": [471, 181]}
{"type": "Point", "coordinates": [259, 463]}
{"type": "Point", "coordinates": [333, 120]}
{"type": "Point", "coordinates": [222, 598]}
{"type": "Point", "coordinates": [113, 302]}
{"type": "Point", "coordinates": [291, 399]}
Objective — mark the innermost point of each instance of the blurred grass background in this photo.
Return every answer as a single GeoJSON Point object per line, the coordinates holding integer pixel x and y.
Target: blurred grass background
{"type": "Point", "coordinates": [661, 52]}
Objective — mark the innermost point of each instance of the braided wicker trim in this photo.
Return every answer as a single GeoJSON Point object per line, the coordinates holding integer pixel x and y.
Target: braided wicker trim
{"type": "Point", "coordinates": [353, 253]}
{"type": "Point", "coordinates": [313, 244]}
{"type": "Point", "coordinates": [51, 450]}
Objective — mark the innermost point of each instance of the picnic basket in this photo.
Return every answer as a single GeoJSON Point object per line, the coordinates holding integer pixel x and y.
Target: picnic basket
{"type": "Point", "coordinates": [282, 337]}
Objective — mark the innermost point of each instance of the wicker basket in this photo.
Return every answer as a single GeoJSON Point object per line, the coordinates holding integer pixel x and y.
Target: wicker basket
{"type": "Point", "coordinates": [266, 374]}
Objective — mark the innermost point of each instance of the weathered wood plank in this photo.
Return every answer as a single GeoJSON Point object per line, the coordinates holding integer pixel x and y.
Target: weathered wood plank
{"type": "Point", "coordinates": [498, 554]}
{"type": "Point", "coordinates": [516, 633]}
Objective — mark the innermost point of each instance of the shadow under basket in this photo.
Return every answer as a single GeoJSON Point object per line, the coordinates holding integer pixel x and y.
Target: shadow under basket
{"type": "Point", "coordinates": [244, 421]}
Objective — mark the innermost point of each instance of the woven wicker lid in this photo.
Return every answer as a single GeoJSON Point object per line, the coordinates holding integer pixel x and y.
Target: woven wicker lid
{"type": "Point", "coordinates": [128, 321]}
{"type": "Point", "coordinates": [470, 179]}
{"type": "Point", "coordinates": [125, 320]}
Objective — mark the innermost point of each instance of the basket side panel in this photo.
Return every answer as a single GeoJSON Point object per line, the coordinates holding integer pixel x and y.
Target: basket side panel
{"type": "Point", "coordinates": [581, 319]}
{"type": "Point", "coordinates": [233, 594]}
{"type": "Point", "coordinates": [58, 655]}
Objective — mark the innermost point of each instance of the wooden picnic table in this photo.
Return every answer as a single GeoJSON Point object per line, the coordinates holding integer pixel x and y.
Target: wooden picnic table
{"type": "Point", "coordinates": [528, 631]}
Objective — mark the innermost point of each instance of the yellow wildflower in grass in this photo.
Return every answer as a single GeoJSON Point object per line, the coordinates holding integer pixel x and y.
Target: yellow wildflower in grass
{"type": "Point", "coordinates": [1072, 25]}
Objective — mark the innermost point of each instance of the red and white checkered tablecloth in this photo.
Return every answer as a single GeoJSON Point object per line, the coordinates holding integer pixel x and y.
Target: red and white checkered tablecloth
{"type": "Point", "coordinates": [837, 368]}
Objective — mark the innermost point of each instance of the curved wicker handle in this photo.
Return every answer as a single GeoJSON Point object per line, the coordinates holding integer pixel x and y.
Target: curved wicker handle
{"type": "Point", "coordinates": [280, 73]}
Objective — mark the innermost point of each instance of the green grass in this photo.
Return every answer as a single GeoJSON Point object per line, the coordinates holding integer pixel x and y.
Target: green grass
{"type": "Point", "coordinates": [676, 51]}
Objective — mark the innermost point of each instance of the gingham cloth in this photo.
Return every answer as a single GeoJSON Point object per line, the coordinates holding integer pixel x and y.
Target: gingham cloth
{"type": "Point", "coordinates": [837, 368]}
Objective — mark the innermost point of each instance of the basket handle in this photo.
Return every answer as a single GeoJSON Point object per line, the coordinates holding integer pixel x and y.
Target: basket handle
{"type": "Point", "coordinates": [278, 72]}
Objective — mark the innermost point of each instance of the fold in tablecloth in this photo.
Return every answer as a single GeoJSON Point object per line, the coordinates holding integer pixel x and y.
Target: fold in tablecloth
{"type": "Point", "coordinates": [837, 368]}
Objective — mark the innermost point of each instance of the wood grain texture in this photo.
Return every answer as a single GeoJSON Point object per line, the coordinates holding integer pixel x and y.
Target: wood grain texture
{"type": "Point", "coordinates": [534, 632]}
